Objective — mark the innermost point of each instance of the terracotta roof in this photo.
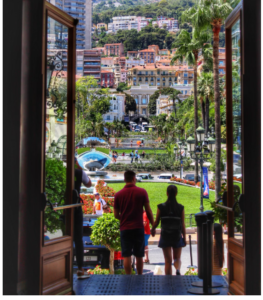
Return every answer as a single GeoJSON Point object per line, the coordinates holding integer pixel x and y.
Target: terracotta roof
{"type": "Point", "coordinates": [164, 60]}
{"type": "Point", "coordinates": [113, 44]}
{"type": "Point", "coordinates": [146, 50]}
{"type": "Point", "coordinates": [105, 71]}
{"type": "Point", "coordinates": [107, 58]}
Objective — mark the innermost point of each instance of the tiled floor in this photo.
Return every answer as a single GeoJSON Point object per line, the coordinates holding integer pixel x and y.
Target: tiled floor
{"type": "Point", "coordinates": [140, 285]}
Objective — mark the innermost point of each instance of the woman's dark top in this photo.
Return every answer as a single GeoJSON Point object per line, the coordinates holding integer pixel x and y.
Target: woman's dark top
{"type": "Point", "coordinates": [165, 212]}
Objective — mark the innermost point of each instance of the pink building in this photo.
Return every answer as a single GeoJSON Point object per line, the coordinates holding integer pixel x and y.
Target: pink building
{"type": "Point", "coordinates": [170, 23]}
{"type": "Point", "coordinates": [100, 49]}
{"type": "Point", "coordinates": [107, 61]}
{"type": "Point", "coordinates": [123, 75]}
{"type": "Point", "coordinates": [114, 49]}
{"type": "Point", "coordinates": [142, 22]}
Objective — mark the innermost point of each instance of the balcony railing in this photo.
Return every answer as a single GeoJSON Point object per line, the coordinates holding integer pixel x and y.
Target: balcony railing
{"type": "Point", "coordinates": [74, 10]}
{"type": "Point", "coordinates": [72, 4]}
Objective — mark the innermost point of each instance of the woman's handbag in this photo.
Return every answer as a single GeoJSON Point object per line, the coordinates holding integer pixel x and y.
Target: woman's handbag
{"type": "Point", "coordinates": [171, 228]}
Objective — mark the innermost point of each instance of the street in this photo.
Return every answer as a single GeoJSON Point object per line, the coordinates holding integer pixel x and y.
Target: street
{"type": "Point", "coordinates": [156, 259]}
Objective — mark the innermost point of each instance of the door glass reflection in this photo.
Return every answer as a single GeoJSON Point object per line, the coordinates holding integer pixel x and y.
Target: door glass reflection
{"type": "Point", "coordinates": [237, 125]}
{"type": "Point", "coordinates": [56, 128]}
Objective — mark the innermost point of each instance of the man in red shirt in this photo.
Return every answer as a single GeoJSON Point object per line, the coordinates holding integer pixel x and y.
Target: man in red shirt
{"type": "Point", "coordinates": [128, 208]}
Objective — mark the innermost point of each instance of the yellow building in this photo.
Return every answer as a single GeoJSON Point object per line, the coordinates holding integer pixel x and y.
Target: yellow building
{"type": "Point", "coordinates": [100, 25]}
{"type": "Point", "coordinates": [160, 76]}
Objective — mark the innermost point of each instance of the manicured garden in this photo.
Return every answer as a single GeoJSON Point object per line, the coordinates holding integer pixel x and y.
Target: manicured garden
{"type": "Point", "coordinates": [164, 151]}
{"type": "Point", "coordinates": [187, 196]}
{"type": "Point", "coordinates": [104, 150]}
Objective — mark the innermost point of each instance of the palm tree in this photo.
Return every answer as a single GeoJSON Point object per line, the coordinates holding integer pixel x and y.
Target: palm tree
{"type": "Point", "coordinates": [205, 84]}
{"type": "Point", "coordinates": [173, 95]}
{"type": "Point", "coordinates": [188, 48]}
{"type": "Point", "coordinates": [207, 14]}
{"type": "Point", "coordinates": [109, 126]}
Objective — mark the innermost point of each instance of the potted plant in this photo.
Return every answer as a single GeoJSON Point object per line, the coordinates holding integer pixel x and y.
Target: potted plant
{"type": "Point", "coordinates": [106, 231]}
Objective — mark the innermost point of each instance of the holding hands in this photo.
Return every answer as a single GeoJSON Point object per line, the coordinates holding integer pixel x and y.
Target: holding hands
{"type": "Point", "coordinates": [153, 231]}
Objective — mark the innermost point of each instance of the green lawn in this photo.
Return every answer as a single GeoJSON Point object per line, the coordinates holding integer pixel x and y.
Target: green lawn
{"type": "Point", "coordinates": [187, 196]}
{"type": "Point", "coordinates": [104, 150]}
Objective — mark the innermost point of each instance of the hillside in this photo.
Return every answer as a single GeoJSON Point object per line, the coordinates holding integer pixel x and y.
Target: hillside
{"type": "Point", "coordinates": [169, 8]}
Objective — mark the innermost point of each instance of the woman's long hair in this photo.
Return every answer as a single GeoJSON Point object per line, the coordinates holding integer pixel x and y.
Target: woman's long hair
{"type": "Point", "coordinates": [219, 244]}
{"type": "Point", "coordinates": [171, 201]}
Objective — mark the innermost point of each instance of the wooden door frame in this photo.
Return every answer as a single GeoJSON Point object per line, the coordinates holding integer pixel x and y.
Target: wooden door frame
{"type": "Point", "coordinates": [248, 253]}
{"type": "Point", "coordinates": [62, 246]}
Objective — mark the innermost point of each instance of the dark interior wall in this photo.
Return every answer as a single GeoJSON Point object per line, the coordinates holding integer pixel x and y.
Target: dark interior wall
{"type": "Point", "coordinates": [11, 138]}
{"type": "Point", "coordinates": [252, 144]}
{"type": "Point", "coordinates": [22, 144]}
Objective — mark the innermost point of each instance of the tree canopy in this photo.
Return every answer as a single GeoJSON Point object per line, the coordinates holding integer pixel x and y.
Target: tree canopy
{"type": "Point", "coordinates": [130, 103]}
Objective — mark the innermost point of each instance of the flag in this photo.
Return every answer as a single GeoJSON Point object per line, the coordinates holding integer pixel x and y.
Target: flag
{"type": "Point", "coordinates": [206, 185]}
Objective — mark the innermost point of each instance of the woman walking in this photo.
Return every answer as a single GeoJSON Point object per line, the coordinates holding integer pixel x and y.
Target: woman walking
{"type": "Point", "coordinates": [172, 239]}
{"type": "Point", "coordinates": [218, 250]}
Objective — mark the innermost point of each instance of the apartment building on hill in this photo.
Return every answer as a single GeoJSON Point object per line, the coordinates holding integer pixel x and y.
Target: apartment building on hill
{"type": "Point", "coordinates": [107, 79]}
{"type": "Point", "coordinates": [132, 54]}
{"type": "Point", "coordinates": [148, 55]}
{"type": "Point", "coordinates": [131, 63]}
{"type": "Point", "coordinates": [160, 76]}
{"type": "Point", "coordinates": [81, 10]}
{"type": "Point", "coordinates": [127, 23]}
{"type": "Point", "coordinates": [92, 64]}
{"type": "Point", "coordinates": [114, 49]}
{"type": "Point", "coordinates": [221, 59]}
{"type": "Point", "coordinates": [170, 24]}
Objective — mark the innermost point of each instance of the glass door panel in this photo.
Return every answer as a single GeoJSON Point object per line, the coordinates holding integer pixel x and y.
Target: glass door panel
{"type": "Point", "coordinates": [56, 129]}
{"type": "Point", "coordinates": [237, 126]}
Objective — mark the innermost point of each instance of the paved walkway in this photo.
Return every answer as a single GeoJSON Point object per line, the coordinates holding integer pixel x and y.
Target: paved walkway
{"type": "Point", "coordinates": [154, 240]}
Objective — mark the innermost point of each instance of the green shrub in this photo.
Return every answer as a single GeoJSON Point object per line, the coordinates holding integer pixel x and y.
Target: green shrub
{"type": "Point", "coordinates": [55, 191]}
{"type": "Point", "coordinates": [106, 231]}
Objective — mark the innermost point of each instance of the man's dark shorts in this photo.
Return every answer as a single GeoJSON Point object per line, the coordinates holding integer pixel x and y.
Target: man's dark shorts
{"type": "Point", "coordinates": [132, 242]}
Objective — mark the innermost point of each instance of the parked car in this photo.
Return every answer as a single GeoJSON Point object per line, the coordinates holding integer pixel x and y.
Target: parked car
{"type": "Point", "coordinates": [138, 178]}
{"type": "Point", "coordinates": [145, 176]}
{"type": "Point", "coordinates": [95, 254]}
{"type": "Point", "coordinates": [165, 176]}
{"type": "Point", "coordinates": [191, 177]}
{"type": "Point", "coordinates": [137, 130]}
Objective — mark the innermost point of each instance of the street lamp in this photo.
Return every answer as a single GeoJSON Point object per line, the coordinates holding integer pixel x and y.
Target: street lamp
{"type": "Point", "coordinates": [200, 152]}
{"type": "Point", "coordinates": [178, 152]}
